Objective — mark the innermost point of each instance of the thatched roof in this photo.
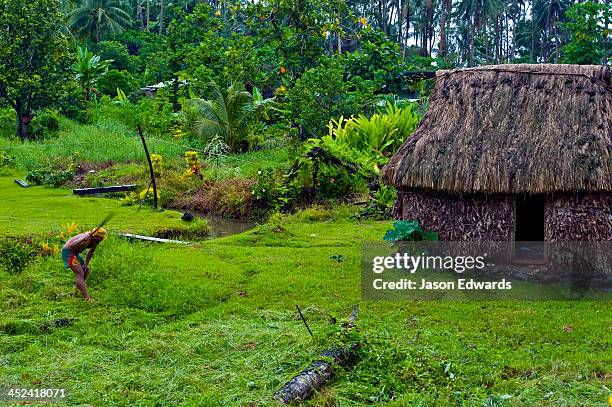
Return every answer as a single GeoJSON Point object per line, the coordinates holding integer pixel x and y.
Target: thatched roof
{"type": "Point", "coordinates": [512, 129]}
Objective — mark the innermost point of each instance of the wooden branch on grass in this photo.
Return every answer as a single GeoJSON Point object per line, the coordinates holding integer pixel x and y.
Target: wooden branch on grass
{"type": "Point", "coordinates": [319, 371]}
{"type": "Point", "coordinates": [104, 190]}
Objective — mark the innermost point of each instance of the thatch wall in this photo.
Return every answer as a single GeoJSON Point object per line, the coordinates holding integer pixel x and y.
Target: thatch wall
{"type": "Point", "coordinates": [512, 129]}
{"type": "Point", "coordinates": [459, 217]}
{"type": "Point", "coordinates": [582, 217]}
{"type": "Point", "coordinates": [567, 217]}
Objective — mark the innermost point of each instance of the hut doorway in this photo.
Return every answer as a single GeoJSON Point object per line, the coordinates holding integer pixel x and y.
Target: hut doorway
{"type": "Point", "coordinates": [529, 219]}
{"type": "Point", "coordinates": [529, 228]}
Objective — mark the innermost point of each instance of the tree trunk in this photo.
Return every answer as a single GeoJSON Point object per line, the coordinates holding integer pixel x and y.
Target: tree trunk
{"type": "Point", "coordinates": [23, 120]}
{"type": "Point", "coordinates": [407, 35]}
{"type": "Point", "coordinates": [446, 7]}
{"type": "Point", "coordinates": [533, 41]}
{"type": "Point", "coordinates": [161, 16]}
{"type": "Point", "coordinates": [152, 173]}
{"type": "Point", "coordinates": [557, 45]}
{"type": "Point", "coordinates": [302, 386]}
{"type": "Point", "coordinates": [472, 34]}
{"type": "Point", "coordinates": [148, 14]}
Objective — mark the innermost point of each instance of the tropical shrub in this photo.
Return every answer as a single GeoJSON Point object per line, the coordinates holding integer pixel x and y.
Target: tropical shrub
{"type": "Point", "coordinates": [14, 254]}
{"type": "Point", "coordinates": [268, 192]}
{"type": "Point", "coordinates": [45, 125]}
{"type": "Point", "coordinates": [6, 159]}
{"type": "Point", "coordinates": [157, 163]}
{"type": "Point", "coordinates": [113, 80]}
{"type": "Point", "coordinates": [409, 230]}
{"type": "Point", "coordinates": [342, 162]}
{"type": "Point", "coordinates": [376, 138]}
{"type": "Point", "coordinates": [194, 166]}
{"type": "Point", "coordinates": [588, 25]}
{"type": "Point", "coordinates": [322, 93]}
{"type": "Point", "coordinates": [380, 203]}
{"type": "Point", "coordinates": [115, 52]}
{"type": "Point", "coordinates": [88, 69]}
{"type": "Point", "coordinates": [50, 177]}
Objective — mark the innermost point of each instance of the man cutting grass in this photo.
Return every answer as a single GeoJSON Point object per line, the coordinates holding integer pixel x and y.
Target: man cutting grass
{"type": "Point", "coordinates": [73, 260]}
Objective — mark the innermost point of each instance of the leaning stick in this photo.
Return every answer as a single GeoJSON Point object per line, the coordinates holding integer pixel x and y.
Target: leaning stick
{"type": "Point", "coordinates": [104, 222]}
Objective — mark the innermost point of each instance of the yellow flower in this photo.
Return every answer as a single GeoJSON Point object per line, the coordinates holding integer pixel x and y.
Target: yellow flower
{"type": "Point", "coordinates": [217, 13]}
{"type": "Point", "coordinates": [280, 91]}
{"type": "Point", "coordinates": [68, 229]}
{"type": "Point", "coordinates": [363, 21]}
{"type": "Point", "coordinates": [49, 250]}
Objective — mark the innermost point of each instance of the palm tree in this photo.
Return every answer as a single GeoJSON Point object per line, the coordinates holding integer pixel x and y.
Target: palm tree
{"type": "Point", "coordinates": [96, 17]}
{"type": "Point", "coordinates": [475, 14]}
{"type": "Point", "coordinates": [547, 14]}
{"type": "Point", "coordinates": [223, 114]}
{"type": "Point", "coordinates": [226, 113]}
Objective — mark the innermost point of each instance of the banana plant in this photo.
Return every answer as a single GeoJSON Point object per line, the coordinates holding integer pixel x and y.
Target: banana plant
{"type": "Point", "coordinates": [89, 68]}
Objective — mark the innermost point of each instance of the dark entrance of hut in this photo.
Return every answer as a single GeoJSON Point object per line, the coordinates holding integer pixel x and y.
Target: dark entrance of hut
{"type": "Point", "coordinates": [529, 231]}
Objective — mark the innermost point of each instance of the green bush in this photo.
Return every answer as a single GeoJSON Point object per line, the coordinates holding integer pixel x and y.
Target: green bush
{"type": "Point", "coordinates": [14, 254]}
{"type": "Point", "coordinates": [50, 177]}
{"type": "Point", "coordinates": [375, 138]}
{"type": "Point", "coordinates": [154, 115]}
{"type": "Point", "coordinates": [322, 93]}
{"type": "Point", "coordinates": [6, 159]}
{"type": "Point", "coordinates": [72, 105]}
{"type": "Point", "coordinates": [113, 79]}
{"type": "Point", "coordinates": [269, 192]}
{"type": "Point", "coordinates": [115, 52]}
{"type": "Point", "coordinates": [45, 125]}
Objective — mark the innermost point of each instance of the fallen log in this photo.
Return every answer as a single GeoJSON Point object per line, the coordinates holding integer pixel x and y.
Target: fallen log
{"type": "Point", "coordinates": [104, 190]}
{"type": "Point", "coordinates": [319, 371]}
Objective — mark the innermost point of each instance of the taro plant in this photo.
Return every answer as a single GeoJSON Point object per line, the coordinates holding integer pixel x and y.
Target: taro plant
{"type": "Point", "coordinates": [409, 230]}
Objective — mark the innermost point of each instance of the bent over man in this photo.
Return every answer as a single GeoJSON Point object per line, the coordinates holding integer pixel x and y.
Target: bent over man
{"type": "Point", "coordinates": [73, 260]}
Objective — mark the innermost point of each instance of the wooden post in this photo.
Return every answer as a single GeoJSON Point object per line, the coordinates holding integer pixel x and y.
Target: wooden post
{"type": "Point", "coordinates": [144, 144]}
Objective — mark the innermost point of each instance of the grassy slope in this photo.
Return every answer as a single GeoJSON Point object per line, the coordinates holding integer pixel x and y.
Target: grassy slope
{"type": "Point", "coordinates": [43, 210]}
{"type": "Point", "coordinates": [170, 324]}
{"type": "Point", "coordinates": [109, 140]}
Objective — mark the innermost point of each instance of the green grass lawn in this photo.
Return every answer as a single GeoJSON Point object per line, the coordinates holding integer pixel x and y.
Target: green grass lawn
{"type": "Point", "coordinates": [214, 323]}
{"type": "Point", "coordinates": [42, 210]}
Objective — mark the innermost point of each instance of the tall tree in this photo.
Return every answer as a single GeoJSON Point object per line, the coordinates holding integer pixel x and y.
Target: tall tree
{"type": "Point", "coordinates": [475, 14]}
{"type": "Point", "coordinates": [547, 15]}
{"type": "Point", "coordinates": [447, 6]}
{"type": "Point", "coordinates": [34, 56]}
{"type": "Point", "coordinates": [93, 18]}
{"type": "Point", "coordinates": [162, 9]}
{"type": "Point", "coordinates": [587, 24]}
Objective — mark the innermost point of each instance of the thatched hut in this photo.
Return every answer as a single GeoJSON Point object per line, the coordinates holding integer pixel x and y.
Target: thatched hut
{"type": "Point", "coordinates": [511, 152]}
